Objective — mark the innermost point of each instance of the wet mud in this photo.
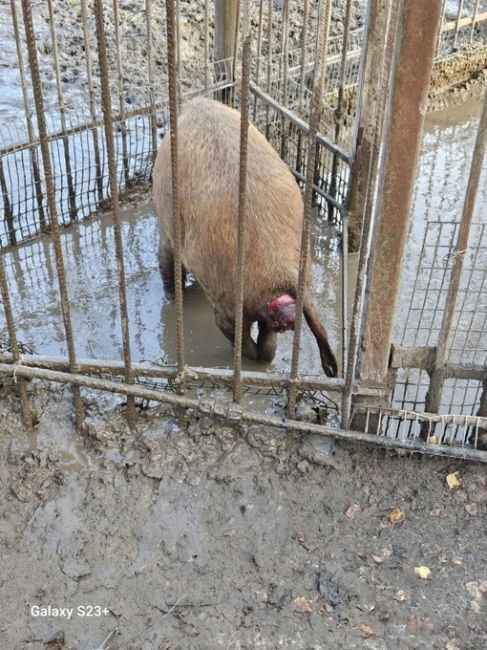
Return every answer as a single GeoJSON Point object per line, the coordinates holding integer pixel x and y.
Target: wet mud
{"type": "Point", "coordinates": [194, 535]}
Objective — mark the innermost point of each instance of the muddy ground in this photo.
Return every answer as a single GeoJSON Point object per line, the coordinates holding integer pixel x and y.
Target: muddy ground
{"type": "Point", "coordinates": [194, 535]}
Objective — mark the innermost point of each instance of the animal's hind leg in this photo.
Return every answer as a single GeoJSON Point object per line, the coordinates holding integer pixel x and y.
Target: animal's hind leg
{"type": "Point", "coordinates": [266, 342]}
{"type": "Point", "coordinates": [166, 263]}
{"type": "Point", "coordinates": [227, 326]}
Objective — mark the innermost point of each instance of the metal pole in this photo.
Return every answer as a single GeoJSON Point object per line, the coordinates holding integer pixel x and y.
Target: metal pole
{"type": "Point", "coordinates": [173, 134]}
{"type": "Point", "coordinates": [150, 75]}
{"type": "Point", "coordinates": [117, 226]}
{"type": "Point", "coordinates": [62, 113]}
{"type": "Point", "coordinates": [412, 73]}
{"type": "Point", "coordinates": [28, 117]}
{"type": "Point", "coordinates": [433, 397]}
{"type": "Point", "coordinates": [121, 98]}
{"type": "Point", "coordinates": [92, 101]}
{"type": "Point", "coordinates": [322, 40]}
{"type": "Point", "coordinates": [51, 200]}
{"type": "Point", "coordinates": [226, 15]}
{"type": "Point", "coordinates": [242, 195]}
{"type": "Point", "coordinates": [413, 64]}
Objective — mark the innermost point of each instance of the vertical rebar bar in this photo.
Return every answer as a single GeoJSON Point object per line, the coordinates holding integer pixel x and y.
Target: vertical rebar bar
{"type": "Point", "coordinates": [150, 76]}
{"type": "Point", "coordinates": [457, 23]}
{"type": "Point", "coordinates": [242, 198]}
{"type": "Point", "coordinates": [284, 65]}
{"type": "Point", "coordinates": [117, 227]}
{"type": "Point", "coordinates": [121, 98]}
{"type": "Point", "coordinates": [92, 100]}
{"type": "Point", "coordinates": [269, 65]}
{"type": "Point", "coordinates": [340, 98]}
{"type": "Point", "coordinates": [207, 43]}
{"type": "Point", "coordinates": [302, 82]}
{"type": "Point", "coordinates": [51, 200]}
{"type": "Point", "coordinates": [474, 19]}
{"type": "Point", "coordinates": [8, 214]}
{"type": "Point", "coordinates": [259, 52]}
{"type": "Point", "coordinates": [173, 134]}
{"type": "Point", "coordinates": [304, 260]}
{"type": "Point", "coordinates": [9, 319]}
{"type": "Point", "coordinates": [62, 112]}
{"type": "Point", "coordinates": [433, 398]}
{"type": "Point", "coordinates": [28, 118]}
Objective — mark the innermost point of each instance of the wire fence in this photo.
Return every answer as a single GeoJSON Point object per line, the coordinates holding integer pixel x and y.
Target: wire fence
{"type": "Point", "coordinates": [299, 74]}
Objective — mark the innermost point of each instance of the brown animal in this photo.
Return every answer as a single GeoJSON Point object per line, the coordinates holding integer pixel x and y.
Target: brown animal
{"type": "Point", "coordinates": [208, 140]}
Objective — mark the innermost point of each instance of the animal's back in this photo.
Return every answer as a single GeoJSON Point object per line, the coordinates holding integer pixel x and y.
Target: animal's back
{"type": "Point", "coordinates": [208, 155]}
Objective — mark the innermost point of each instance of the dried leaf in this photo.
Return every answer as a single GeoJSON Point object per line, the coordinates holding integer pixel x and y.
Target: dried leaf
{"type": "Point", "coordinates": [303, 605]}
{"type": "Point", "coordinates": [457, 561]}
{"type": "Point", "coordinates": [352, 510]}
{"type": "Point", "coordinates": [382, 555]}
{"type": "Point", "coordinates": [454, 480]}
{"type": "Point", "coordinates": [436, 512]}
{"type": "Point", "coordinates": [396, 516]}
{"type": "Point", "coordinates": [366, 631]}
{"type": "Point", "coordinates": [400, 595]}
{"type": "Point", "coordinates": [422, 572]}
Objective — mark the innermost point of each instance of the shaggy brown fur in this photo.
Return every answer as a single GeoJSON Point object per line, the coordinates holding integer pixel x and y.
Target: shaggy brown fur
{"type": "Point", "coordinates": [208, 137]}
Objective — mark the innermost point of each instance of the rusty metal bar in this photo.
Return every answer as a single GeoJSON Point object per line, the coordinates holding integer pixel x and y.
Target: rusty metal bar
{"type": "Point", "coordinates": [51, 200]}
{"type": "Point", "coordinates": [302, 80]}
{"type": "Point", "coordinates": [121, 98]}
{"type": "Point", "coordinates": [284, 62]}
{"type": "Point", "coordinates": [259, 51]}
{"type": "Point", "coordinates": [28, 118]}
{"type": "Point", "coordinates": [62, 112]}
{"type": "Point", "coordinates": [457, 22]}
{"type": "Point", "coordinates": [308, 200]}
{"type": "Point", "coordinates": [242, 198]}
{"type": "Point", "coordinates": [206, 45]}
{"type": "Point", "coordinates": [474, 19]}
{"type": "Point", "coordinates": [433, 398]}
{"type": "Point", "coordinates": [193, 373]}
{"type": "Point", "coordinates": [173, 118]}
{"type": "Point", "coordinates": [7, 308]}
{"type": "Point", "coordinates": [412, 73]}
{"type": "Point", "coordinates": [381, 27]}
{"type": "Point", "coordinates": [150, 76]}
{"type": "Point", "coordinates": [92, 100]}
{"type": "Point", "coordinates": [233, 414]}
{"type": "Point", "coordinates": [7, 207]}
{"type": "Point", "coordinates": [117, 227]}
{"type": "Point", "coordinates": [301, 124]}
{"type": "Point", "coordinates": [226, 16]}
{"type": "Point", "coordinates": [269, 66]}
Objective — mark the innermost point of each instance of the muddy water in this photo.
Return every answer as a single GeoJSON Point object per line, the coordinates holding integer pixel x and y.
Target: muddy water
{"type": "Point", "coordinates": [93, 289]}
{"type": "Point", "coordinates": [438, 201]}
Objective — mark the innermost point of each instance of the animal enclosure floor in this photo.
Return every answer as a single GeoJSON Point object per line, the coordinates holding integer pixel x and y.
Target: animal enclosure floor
{"type": "Point", "coordinates": [200, 537]}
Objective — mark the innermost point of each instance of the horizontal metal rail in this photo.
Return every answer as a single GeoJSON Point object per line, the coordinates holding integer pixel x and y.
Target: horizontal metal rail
{"type": "Point", "coordinates": [233, 413]}
{"type": "Point", "coordinates": [424, 359]}
{"type": "Point", "coordinates": [159, 371]}
{"type": "Point", "coordinates": [301, 124]}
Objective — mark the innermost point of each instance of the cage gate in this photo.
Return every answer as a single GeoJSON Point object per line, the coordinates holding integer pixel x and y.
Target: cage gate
{"type": "Point", "coordinates": [357, 92]}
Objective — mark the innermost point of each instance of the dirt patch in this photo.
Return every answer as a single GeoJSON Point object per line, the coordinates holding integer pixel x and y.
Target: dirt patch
{"type": "Point", "coordinates": [457, 79]}
{"type": "Point", "coordinates": [196, 535]}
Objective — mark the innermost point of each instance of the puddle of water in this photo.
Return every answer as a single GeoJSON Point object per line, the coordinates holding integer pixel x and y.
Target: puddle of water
{"type": "Point", "coordinates": [93, 289]}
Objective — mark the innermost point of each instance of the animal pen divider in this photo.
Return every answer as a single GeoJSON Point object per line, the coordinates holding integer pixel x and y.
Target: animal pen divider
{"type": "Point", "coordinates": [357, 95]}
